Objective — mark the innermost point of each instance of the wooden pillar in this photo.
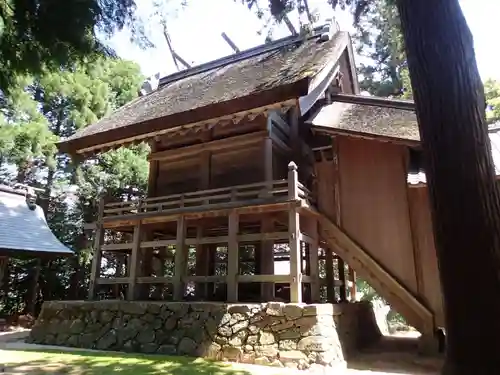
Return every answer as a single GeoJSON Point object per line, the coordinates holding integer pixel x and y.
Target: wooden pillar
{"type": "Point", "coordinates": [180, 259]}
{"type": "Point", "coordinates": [352, 288]}
{"type": "Point", "coordinates": [95, 270]}
{"type": "Point", "coordinates": [314, 262]}
{"type": "Point", "coordinates": [266, 260]}
{"type": "Point", "coordinates": [118, 273]}
{"type": "Point", "coordinates": [153, 171]}
{"type": "Point", "coordinates": [330, 277]}
{"type": "Point", "coordinates": [293, 119]}
{"type": "Point", "coordinates": [31, 303]}
{"type": "Point", "coordinates": [343, 286]}
{"type": "Point", "coordinates": [134, 262]}
{"type": "Point", "coordinates": [211, 254]}
{"type": "Point", "coordinates": [294, 236]}
{"type": "Point", "coordinates": [233, 258]}
{"type": "Point", "coordinates": [202, 250]}
{"type": "Point", "coordinates": [4, 261]}
{"type": "Point", "coordinates": [202, 264]}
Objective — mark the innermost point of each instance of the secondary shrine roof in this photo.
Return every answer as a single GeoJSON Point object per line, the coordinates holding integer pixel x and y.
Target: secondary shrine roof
{"type": "Point", "coordinates": [23, 227]}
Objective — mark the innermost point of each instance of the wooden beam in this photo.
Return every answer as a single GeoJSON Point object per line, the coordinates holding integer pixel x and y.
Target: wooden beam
{"type": "Point", "coordinates": [112, 280]}
{"type": "Point", "coordinates": [415, 312]}
{"type": "Point", "coordinates": [352, 287]}
{"type": "Point", "coordinates": [134, 262]}
{"type": "Point", "coordinates": [155, 280]}
{"type": "Point", "coordinates": [95, 270]}
{"type": "Point", "coordinates": [232, 258]}
{"type": "Point", "coordinates": [271, 279]}
{"type": "Point", "coordinates": [217, 145]}
{"type": "Point", "coordinates": [305, 238]}
{"type": "Point", "coordinates": [117, 246]}
{"type": "Point", "coordinates": [180, 256]}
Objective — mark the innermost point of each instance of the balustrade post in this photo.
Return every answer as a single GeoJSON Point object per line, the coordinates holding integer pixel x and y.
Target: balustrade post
{"type": "Point", "coordinates": [95, 270]}
{"type": "Point", "coordinates": [293, 181]}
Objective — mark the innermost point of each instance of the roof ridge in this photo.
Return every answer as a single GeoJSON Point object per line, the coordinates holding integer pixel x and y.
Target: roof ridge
{"type": "Point", "coordinates": [243, 55]}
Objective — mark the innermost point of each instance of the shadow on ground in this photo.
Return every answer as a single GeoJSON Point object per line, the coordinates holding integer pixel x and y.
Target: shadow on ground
{"type": "Point", "coordinates": [41, 363]}
{"type": "Point", "coordinates": [396, 355]}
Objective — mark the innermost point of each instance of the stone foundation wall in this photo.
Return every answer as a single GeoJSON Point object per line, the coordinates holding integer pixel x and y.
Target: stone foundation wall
{"type": "Point", "coordinates": [277, 334]}
{"type": "Point", "coordinates": [356, 326]}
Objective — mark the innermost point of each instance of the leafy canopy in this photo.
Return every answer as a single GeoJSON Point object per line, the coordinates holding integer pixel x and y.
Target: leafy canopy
{"type": "Point", "coordinates": [37, 34]}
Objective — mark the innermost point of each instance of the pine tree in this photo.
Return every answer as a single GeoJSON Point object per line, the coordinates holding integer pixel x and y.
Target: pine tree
{"type": "Point", "coordinates": [38, 111]}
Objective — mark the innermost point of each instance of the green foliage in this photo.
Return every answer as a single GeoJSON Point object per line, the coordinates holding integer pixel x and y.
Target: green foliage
{"type": "Point", "coordinates": [379, 41]}
{"type": "Point", "coordinates": [37, 112]}
{"type": "Point", "coordinates": [492, 94]}
{"type": "Point", "coordinates": [45, 34]}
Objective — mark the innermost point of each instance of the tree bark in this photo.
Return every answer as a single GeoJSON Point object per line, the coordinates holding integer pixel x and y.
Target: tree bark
{"type": "Point", "coordinates": [465, 202]}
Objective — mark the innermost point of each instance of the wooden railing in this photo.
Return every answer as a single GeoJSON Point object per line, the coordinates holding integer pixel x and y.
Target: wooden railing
{"type": "Point", "coordinates": [289, 189]}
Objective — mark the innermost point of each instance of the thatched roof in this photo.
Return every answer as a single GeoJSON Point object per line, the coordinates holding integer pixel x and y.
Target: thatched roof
{"type": "Point", "coordinates": [367, 120]}
{"type": "Point", "coordinates": [23, 227]}
{"type": "Point", "coordinates": [199, 93]}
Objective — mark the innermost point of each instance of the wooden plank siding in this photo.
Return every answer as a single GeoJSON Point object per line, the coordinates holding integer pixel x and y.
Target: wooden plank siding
{"type": "Point", "coordinates": [375, 210]}
{"type": "Point", "coordinates": [424, 239]}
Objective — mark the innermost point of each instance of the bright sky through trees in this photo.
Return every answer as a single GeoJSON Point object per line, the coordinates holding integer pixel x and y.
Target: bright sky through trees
{"type": "Point", "coordinates": [195, 32]}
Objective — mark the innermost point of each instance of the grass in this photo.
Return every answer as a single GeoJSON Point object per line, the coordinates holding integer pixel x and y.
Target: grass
{"type": "Point", "coordinates": [90, 363]}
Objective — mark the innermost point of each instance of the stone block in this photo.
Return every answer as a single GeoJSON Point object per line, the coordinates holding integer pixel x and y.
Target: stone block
{"type": "Point", "coordinates": [273, 334]}
{"type": "Point", "coordinates": [293, 311]}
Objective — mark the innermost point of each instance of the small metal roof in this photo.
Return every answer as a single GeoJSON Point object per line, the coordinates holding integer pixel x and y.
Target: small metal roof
{"type": "Point", "coordinates": [25, 229]}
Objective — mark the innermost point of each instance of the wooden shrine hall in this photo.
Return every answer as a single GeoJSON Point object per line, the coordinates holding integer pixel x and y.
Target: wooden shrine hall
{"type": "Point", "coordinates": [271, 178]}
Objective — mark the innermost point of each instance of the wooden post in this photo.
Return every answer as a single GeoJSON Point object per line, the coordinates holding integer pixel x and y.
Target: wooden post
{"type": "Point", "coordinates": [95, 270]}
{"type": "Point", "coordinates": [314, 263]}
{"type": "Point", "coordinates": [202, 264]}
{"type": "Point", "coordinates": [267, 260]}
{"type": "Point", "coordinates": [134, 262]}
{"type": "Point", "coordinates": [232, 258]}
{"type": "Point", "coordinates": [352, 289]}
{"type": "Point", "coordinates": [180, 259]}
{"type": "Point", "coordinates": [4, 261]}
{"type": "Point", "coordinates": [330, 277]}
{"type": "Point", "coordinates": [294, 236]}
{"type": "Point", "coordinates": [153, 171]}
{"type": "Point", "coordinates": [343, 287]}
{"type": "Point", "coordinates": [293, 118]}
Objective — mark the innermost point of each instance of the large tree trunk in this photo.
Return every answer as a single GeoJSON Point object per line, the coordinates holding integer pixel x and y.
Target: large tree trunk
{"type": "Point", "coordinates": [465, 202]}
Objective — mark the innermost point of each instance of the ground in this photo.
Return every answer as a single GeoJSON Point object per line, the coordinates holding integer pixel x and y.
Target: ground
{"type": "Point", "coordinates": [394, 356]}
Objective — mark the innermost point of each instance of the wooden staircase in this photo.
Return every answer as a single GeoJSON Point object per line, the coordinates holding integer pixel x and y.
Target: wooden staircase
{"type": "Point", "coordinates": [389, 288]}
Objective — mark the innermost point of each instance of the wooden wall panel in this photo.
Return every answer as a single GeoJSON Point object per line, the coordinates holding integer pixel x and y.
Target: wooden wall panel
{"type": "Point", "coordinates": [426, 253]}
{"type": "Point", "coordinates": [374, 204]}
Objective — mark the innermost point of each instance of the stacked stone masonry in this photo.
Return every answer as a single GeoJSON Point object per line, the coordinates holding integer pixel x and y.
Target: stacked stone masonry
{"type": "Point", "coordinates": [275, 334]}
